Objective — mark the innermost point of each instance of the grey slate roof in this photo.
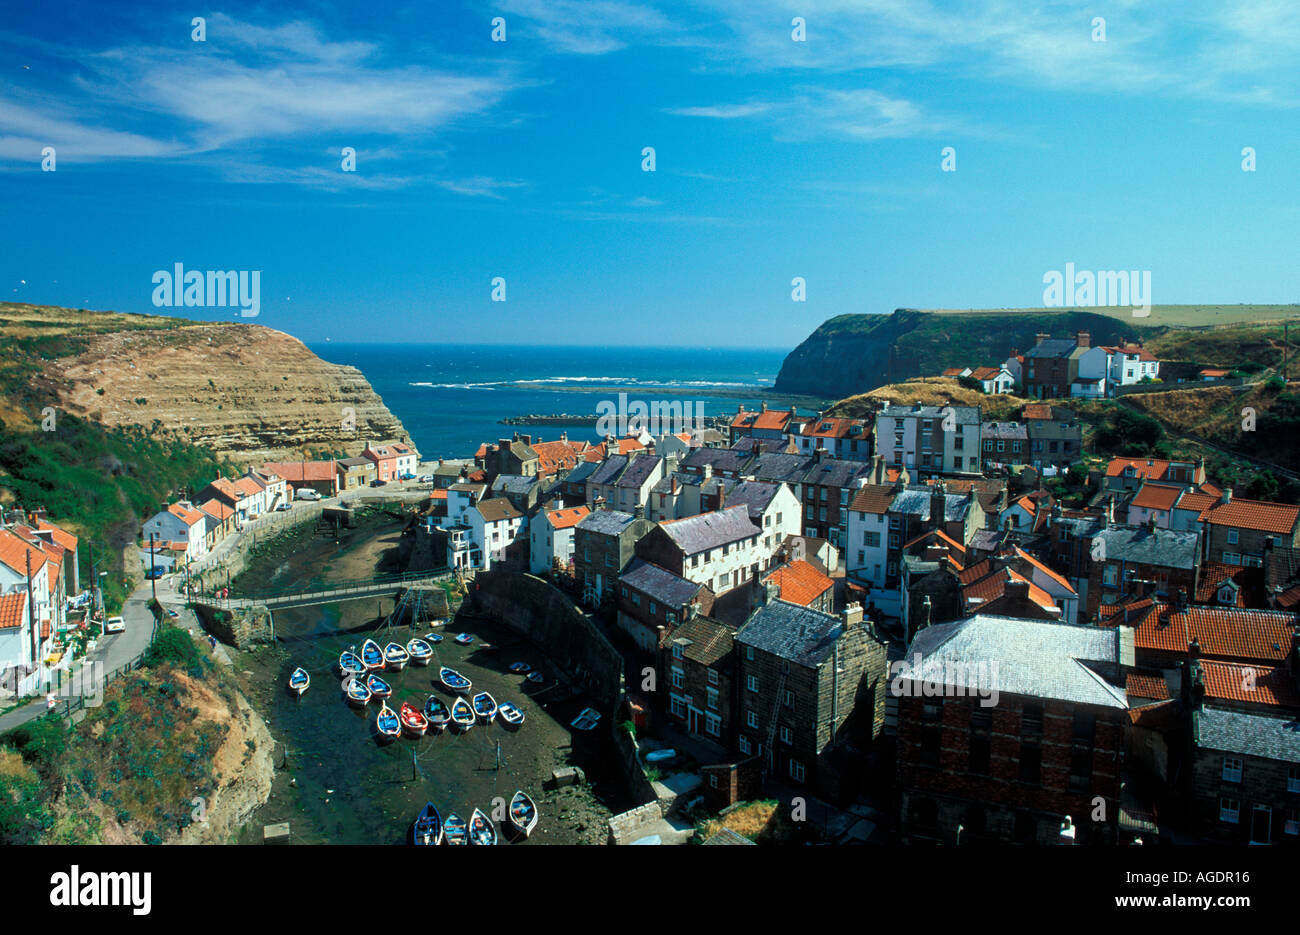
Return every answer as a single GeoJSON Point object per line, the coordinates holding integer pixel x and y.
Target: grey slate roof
{"type": "Point", "coordinates": [607, 522]}
{"type": "Point", "coordinates": [832, 472]}
{"type": "Point", "coordinates": [1005, 430]}
{"type": "Point", "coordinates": [1165, 547]}
{"type": "Point", "coordinates": [659, 583]}
{"type": "Point", "coordinates": [710, 530]}
{"type": "Point", "coordinates": [608, 470]}
{"type": "Point", "coordinates": [1035, 658]}
{"type": "Point", "coordinates": [964, 415]}
{"type": "Point", "coordinates": [1272, 738]}
{"type": "Point", "coordinates": [1052, 347]}
{"type": "Point", "coordinates": [513, 483]}
{"type": "Point", "coordinates": [722, 459]}
{"type": "Point", "coordinates": [753, 494]}
{"type": "Point", "coordinates": [641, 467]}
{"type": "Point", "coordinates": [800, 634]}
{"type": "Point", "coordinates": [775, 466]}
{"type": "Point", "coordinates": [497, 508]}
{"type": "Point", "coordinates": [581, 471]}
{"type": "Point", "coordinates": [915, 501]}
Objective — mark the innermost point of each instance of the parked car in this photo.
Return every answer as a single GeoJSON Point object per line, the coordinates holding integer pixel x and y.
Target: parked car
{"type": "Point", "coordinates": [284, 506]}
{"type": "Point", "coordinates": [378, 483]}
{"type": "Point", "coordinates": [426, 478]}
{"type": "Point", "coordinates": [152, 574]}
{"type": "Point", "coordinates": [114, 625]}
{"type": "Point", "coordinates": [171, 613]}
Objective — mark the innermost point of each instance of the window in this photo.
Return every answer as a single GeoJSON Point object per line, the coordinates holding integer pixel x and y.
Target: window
{"type": "Point", "coordinates": [1229, 810]}
{"type": "Point", "coordinates": [787, 736]}
{"type": "Point", "coordinates": [796, 771]}
{"type": "Point", "coordinates": [653, 609]}
{"type": "Point", "coordinates": [789, 698]}
{"type": "Point", "coordinates": [1031, 720]}
{"type": "Point", "coordinates": [677, 706]}
{"type": "Point", "coordinates": [1293, 779]}
{"type": "Point", "coordinates": [751, 682]}
{"type": "Point", "coordinates": [981, 744]}
{"type": "Point", "coordinates": [670, 617]}
{"type": "Point", "coordinates": [743, 742]}
{"type": "Point", "coordinates": [1292, 821]}
{"type": "Point", "coordinates": [1232, 558]}
{"type": "Point", "coordinates": [1234, 537]}
{"type": "Point", "coordinates": [713, 676]}
{"type": "Point", "coordinates": [678, 651]}
{"type": "Point", "coordinates": [871, 539]}
{"type": "Point", "coordinates": [749, 652]}
{"type": "Point", "coordinates": [1109, 576]}
{"type": "Point", "coordinates": [1031, 764]}
{"type": "Point", "coordinates": [751, 718]}
{"type": "Point", "coordinates": [1232, 769]}
{"type": "Point", "coordinates": [713, 725]}
{"type": "Point", "coordinates": [636, 599]}
{"type": "Point", "coordinates": [679, 677]}
{"type": "Point", "coordinates": [712, 697]}
{"type": "Point", "coordinates": [988, 445]}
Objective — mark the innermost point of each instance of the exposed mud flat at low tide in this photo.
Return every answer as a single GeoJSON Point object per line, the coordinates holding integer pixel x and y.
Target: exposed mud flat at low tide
{"type": "Point", "coordinates": [347, 787]}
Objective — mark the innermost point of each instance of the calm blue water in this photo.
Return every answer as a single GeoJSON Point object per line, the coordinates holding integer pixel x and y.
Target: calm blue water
{"type": "Point", "coordinates": [450, 397]}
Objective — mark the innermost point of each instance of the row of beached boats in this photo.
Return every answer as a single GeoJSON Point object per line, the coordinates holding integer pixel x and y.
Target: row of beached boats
{"type": "Point", "coordinates": [437, 715]}
{"type": "Point", "coordinates": [431, 828]}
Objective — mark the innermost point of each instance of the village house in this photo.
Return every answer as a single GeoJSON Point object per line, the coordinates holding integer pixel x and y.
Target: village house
{"type": "Point", "coordinates": [1127, 474]}
{"type": "Point", "coordinates": [523, 491]}
{"type": "Point", "coordinates": [551, 533]}
{"type": "Point", "coordinates": [54, 535]}
{"type": "Point", "coordinates": [219, 520]}
{"type": "Point", "coordinates": [180, 522]}
{"type": "Point", "coordinates": [1242, 532]}
{"type": "Point", "coordinates": [653, 602]}
{"type": "Point", "coordinates": [355, 473]}
{"type": "Point", "coordinates": [18, 651]}
{"type": "Point", "coordinates": [604, 543]}
{"type": "Point", "coordinates": [1052, 365]}
{"type": "Point", "coordinates": [809, 684]}
{"type": "Point", "coordinates": [799, 582]}
{"type": "Point", "coordinates": [774, 424]}
{"type": "Point", "coordinates": [496, 525]}
{"type": "Point", "coordinates": [408, 460]}
{"type": "Point", "coordinates": [973, 768]}
{"type": "Point", "coordinates": [993, 381]}
{"type": "Point", "coordinates": [680, 494]}
{"type": "Point", "coordinates": [915, 437]}
{"type": "Point", "coordinates": [1055, 437]}
{"type": "Point", "coordinates": [772, 507]}
{"type": "Point", "coordinates": [722, 549]}
{"type": "Point", "coordinates": [866, 554]}
{"type": "Point", "coordinates": [556, 458]}
{"type": "Point", "coordinates": [718, 462]}
{"type": "Point", "coordinates": [320, 476]}
{"type": "Point", "coordinates": [384, 458]}
{"type": "Point", "coordinates": [846, 439]}
{"type": "Point", "coordinates": [1127, 562]}
{"type": "Point", "coordinates": [1127, 365]}
{"type": "Point", "coordinates": [698, 664]}
{"type": "Point", "coordinates": [1004, 443]}
{"type": "Point", "coordinates": [28, 569]}
{"type": "Point", "coordinates": [625, 481]}
{"type": "Point", "coordinates": [828, 485]}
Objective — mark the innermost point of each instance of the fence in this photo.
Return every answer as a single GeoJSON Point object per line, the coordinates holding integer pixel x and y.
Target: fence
{"type": "Point", "coordinates": [336, 590]}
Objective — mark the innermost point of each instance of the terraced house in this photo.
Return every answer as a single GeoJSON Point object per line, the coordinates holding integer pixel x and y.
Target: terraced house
{"type": "Point", "coordinates": [929, 440]}
{"type": "Point", "coordinates": [653, 603]}
{"type": "Point", "coordinates": [722, 549]}
{"type": "Point", "coordinates": [1242, 532]}
{"type": "Point", "coordinates": [698, 665]}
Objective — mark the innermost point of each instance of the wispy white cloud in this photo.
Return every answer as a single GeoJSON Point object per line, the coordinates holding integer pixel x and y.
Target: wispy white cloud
{"type": "Point", "coordinates": [721, 111]}
{"type": "Point", "coordinates": [579, 27]}
{"type": "Point", "coordinates": [481, 186]}
{"type": "Point", "coordinates": [818, 112]}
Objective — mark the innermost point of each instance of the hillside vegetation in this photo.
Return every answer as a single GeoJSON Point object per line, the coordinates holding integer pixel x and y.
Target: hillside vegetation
{"type": "Point", "coordinates": [930, 391]}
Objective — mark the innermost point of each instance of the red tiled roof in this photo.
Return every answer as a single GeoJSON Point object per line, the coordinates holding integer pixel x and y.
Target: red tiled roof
{"type": "Point", "coordinates": [1214, 373]}
{"type": "Point", "coordinates": [299, 472]}
{"type": "Point", "coordinates": [994, 586]}
{"type": "Point", "coordinates": [1055, 576]}
{"type": "Point", "coordinates": [800, 582]}
{"type": "Point", "coordinates": [953, 371]}
{"type": "Point", "coordinates": [13, 610]}
{"type": "Point", "coordinates": [1290, 597]}
{"type": "Point", "coordinates": [13, 552]}
{"type": "Point", "coordinates": [1254, 514]}
{"type": "Point", "coordinates": [1213, 574]}
{"type": "Point", "coordinates": [776, 419]}
{"type": "Point", "coordinates": [1138, 685]}
{"type": "Point", "coordinates": [975, 572]}
{"type": "Point", "coordinates": [217, 510]}
{"type": "Point", "coordinates": [1132, 350]}
{"type": "Point", "coordinates": [250, 487]}
{"type": "Point", "coordinates": [942, 536]}
{"type": "Point", "coordinates": [831, 427]}
{"type": "Point", "coordinates": [438, 493]}
{"type": "Point", "coordinates": [1157, 496]}
{"type": "Point", "coordinates": [556, 456]}
{"type": "Point", "coordinates": [567, 518]}
{"type": "Point", "coordinates": [1038, 411]}
{"type": "Point", "coordinates": [873, 498]}
{"type": "Point", "coordinates": [1222, 632]}
{"type": "Point", "coordinates": [1270, 685]}
{"type": "Point", "coordinates": [61, 536]}
{"type": "Point", "coordinates": [985, 373]}
{"type": "Point", "coordinates": [223, 486]}
{"type": "Point", "coordinates": [186, 515]}
{"type": "Point", "coordinates": [1145, 468]}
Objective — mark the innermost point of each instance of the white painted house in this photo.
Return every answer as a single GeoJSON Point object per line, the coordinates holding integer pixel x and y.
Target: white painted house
{"type": "Point", "coordinates": [929, 439]}
{"type": "Point", "coordinates": [460, 497]}
{"type": "Point", "coordinates": [866, 554]}
{"type": "Point", "coordinates": [180, 523]}
{"type": "Point", "coordinates": [1130, 364]}
{"type": "Point", "coordinates": [551, 537]}
{"type": "Point", "coordinates": [496, 524]}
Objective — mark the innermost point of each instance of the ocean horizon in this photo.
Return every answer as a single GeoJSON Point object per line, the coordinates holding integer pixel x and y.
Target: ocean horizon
{"type": "Point", "coordinates": [451, 397]}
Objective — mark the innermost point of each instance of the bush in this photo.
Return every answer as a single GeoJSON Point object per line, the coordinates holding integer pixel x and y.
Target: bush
{"type": "Point", "coordinates": [971, 384]}
{"type": "Point", "coordinates": [173, 645]}
{"type": "Point", "coordinates": [1276, 383]}
{"type": "Point", "coordinates": [41, 743]}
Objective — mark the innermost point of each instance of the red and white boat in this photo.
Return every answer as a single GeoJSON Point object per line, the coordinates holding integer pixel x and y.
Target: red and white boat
{"type": "Point", "coordinates": [413, 720]}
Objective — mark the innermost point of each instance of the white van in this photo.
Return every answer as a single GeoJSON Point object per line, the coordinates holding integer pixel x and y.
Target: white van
{"type": "Point", "coordinates": [305, 493]}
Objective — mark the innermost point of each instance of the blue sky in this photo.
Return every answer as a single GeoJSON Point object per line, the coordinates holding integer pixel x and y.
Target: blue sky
{"type": "Point", "coordinates": [522, 159]}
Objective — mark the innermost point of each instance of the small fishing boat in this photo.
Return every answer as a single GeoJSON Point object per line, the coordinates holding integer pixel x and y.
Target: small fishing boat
{"type": "Point", "coordinates": [520, 668]}
{"type": "Point", "coordinates": [481, 829]}
{"type": "Point", "coordinates": [421, 652]}
{"type": "Point", "coordinates": [428, 826]}
{"type": "Point", "coordinates": [536, 678]}
{"type": "Point", "coordinates": [388, 723]}
{"type": "Point", "coordinates": [378, 687]}
{"type": "Point", "coordinates": [462, 715]}
{"type": "Point", "coordinates": [413, 722]}
{"type": "Point", "coordinates": [455, 831]}
{"type": "Point", "coordinates": [485, 706]}
{"type": "Point", "coordinates": [357, 693]}
{"type": "Point", "coordinates": [523, 813]}
{"type": "Point", "coordinates": [372, 657]}
{"type": "Point", "coordinates": [585, 720]}
{"type": "Point", "coordinates": [438, 622]}
{"type": "Point", "coordinates": [396, 656]}
{"type": "Point", "coordinates": [437, 712]}
{"type": "Point", "coordinates": [510, 714]}
{"type": "Point", "coordinates": [299, 680]}
{"type": "Point", "coordinates": [350, 664]}
{"type": "Point", "coordinates": [663, 755]}
{"type": "Point", "coordinates": [464, 639]}
{"type": "Point", "coordinates": [434, 638]}
{"type": "Point", "coordinates": [454, 681]}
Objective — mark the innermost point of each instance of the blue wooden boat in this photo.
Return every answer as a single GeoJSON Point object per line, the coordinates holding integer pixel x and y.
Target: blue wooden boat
{"type": "Point", "coordinates": [536, 678]}
{"type": "Point", "coordinates": [350, 664]}
{"type": "Point", "coordinates": [372, 656]}
{"type": "Point", "coordinates": [523, 813]}
{"type": "Point", "coordinates": [434, 638]}
{"type": "Point", "coordinates": [437, 712]}
{"type": "Point", "coordinates": [396, 657]}
{"type": "Point", "coordinates": [462, 715]}
{"type": "Point", "coordinates": [378, 687]}
{"type": "Point", "coordinates": [428, 826]}
{"type": "Point", "coordinates": [387, 722]}
{"type": "Point", "coordinates": [421, 652]}
{"type": "Point", "coordinates": [455, 831]}
{"type": "Point", "coordinates": [485, 706]}
{"type": "Point", "coordinates": [299, 680]}
{"type": "Point", "coordinates": [481, 829]}
{"type": "Point", "coordinates": [464, 639]}
{"type": "Point", "coordinates": [357, 693]}
{"type": "Point", "coordinates": [454, 681]}
{"type": "Point", "coordinates": [520, 668]}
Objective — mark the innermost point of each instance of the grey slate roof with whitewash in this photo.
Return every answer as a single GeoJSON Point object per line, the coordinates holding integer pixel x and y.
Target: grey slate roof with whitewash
{"type": "Point", "coordinates": [964, 415]}
{"type": "Point", "coordinates": [607, 522]}
{"type": "Point", "coordinates": [513, 483]}
{"type": "Point", "coordinates": [755, 495]}
{"type": "Point", "coordinates": [581, 471]}
{"type": "Point", "coordinates": [641, 467]}
{"type": "Point", "coordinates": [711, 530]}
{"type": "Point", "coordinates": [722, 459]}
{"type": "Point", "coordinates": [1165, 547]}
{"type": "Point", "coordinates": [1007, 430]}
{"type": "Point", "coordinates": [832, 472]}
{"type": "Point", "coordinates": [800, 634]}
{"type": "Point", "coordinates": [1035, 658]}
{"type": "Point", "coordinates": [659, 583]}
{"type": "Point", "coordinates": [916, 501]}
{"type": "Point", "coordinates": [1271, 738]}
{"type": "Point", "coordinates": [709, 486]}
{"type": "Point", "coordinates": [609, 470]}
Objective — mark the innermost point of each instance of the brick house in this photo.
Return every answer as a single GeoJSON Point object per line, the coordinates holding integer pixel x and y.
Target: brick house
{"type": "Point", "coordinates": [800, 583]}
{"type": "Point", "coordinates": [604, 543]}
{"type": "Point", "coordinates": [1052, 741]}
{"type": "Point", "coordinates": [1241, 532]}
{"type": "Point", "coordinates": [653, 602]}
{"type": "Point", "coordinates": [355, 473]}
{"type": "Point", "coordinates": [808, 684]}
{"type": "Point", "coordinates": [1055, 436]}
{"type": "Point", "coordinates": [697, 666]}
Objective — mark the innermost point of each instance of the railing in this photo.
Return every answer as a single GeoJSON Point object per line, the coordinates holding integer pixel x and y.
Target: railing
{"type": "Point", "coordinates": [359, 587]}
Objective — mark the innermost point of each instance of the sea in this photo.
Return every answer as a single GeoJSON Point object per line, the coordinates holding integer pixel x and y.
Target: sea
{"type": "Point", "coordinates": [451, 398]}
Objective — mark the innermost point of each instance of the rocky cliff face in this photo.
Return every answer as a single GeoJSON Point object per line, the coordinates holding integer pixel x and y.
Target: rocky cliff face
{"type": "Point", "coordinates": [246, 391]}
{"type": "Point", "coordinates": [853, 354]}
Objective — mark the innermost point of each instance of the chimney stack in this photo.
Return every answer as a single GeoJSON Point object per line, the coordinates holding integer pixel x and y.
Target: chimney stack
{"type": "Point", "coordinates": [1040, 338]}
{"type": "Point", "coordinates": [851, 615]}
{"type": "Point", "coordinates": [1083, 339]}
{"type": "Point", "coordinates": [708, 471]}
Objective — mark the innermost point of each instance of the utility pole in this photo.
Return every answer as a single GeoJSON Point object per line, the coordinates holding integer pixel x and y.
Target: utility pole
{"type": "Point", "coordinates": [31, 608]}
{"type": "Point", "coordinates": [153, 575]}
